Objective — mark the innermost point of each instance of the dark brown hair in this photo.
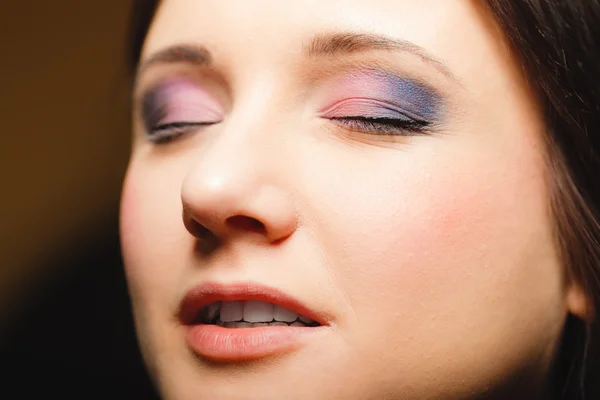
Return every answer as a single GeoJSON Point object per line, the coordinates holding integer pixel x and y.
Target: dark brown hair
{"type": "Point", "coordinates": [558, 45]}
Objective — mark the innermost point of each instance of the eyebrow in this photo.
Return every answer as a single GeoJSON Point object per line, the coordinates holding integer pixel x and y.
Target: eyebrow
{"type": "Point", "coordinates": [344, 43]}
{"type": "Point", "coordinates": [331, 44]}
{"type": "Point", "coordinates": [190, 54]}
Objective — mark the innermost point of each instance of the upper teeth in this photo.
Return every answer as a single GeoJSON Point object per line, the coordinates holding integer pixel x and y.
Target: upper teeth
{"type": "Point", "coordinates": [251, 311]}
{"type": "Point", "coordinates": [232, 311]}
{"type": "Point", "coordinates": [258, 311]}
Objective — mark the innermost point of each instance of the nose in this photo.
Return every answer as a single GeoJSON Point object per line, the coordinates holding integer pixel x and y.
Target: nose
{"type": "Point", "coordinates": [235, 189]}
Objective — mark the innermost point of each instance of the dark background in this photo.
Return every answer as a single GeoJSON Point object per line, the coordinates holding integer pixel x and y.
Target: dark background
{"type": "Point", "coordinates": [66, 330]}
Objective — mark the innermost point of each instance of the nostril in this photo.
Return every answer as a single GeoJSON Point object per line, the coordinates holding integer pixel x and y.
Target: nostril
{"type": "Point", "coordinates": [243, 222]}
{"type": "Point", "coordinates": [198, 230]}
{"type": "Point", "coordinates": [207, 242]}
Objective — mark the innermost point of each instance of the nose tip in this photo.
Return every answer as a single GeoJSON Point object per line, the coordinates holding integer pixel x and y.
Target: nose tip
{"type": "Point", "coordinates": [216, 210]}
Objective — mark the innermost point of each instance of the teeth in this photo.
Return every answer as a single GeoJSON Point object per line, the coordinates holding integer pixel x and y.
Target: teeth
{"type": "Point", "coordinates": [237, 325]}
{"type": "Point", "coordinates": [257, 311]}
{"type": "Point", "coordinates": [283, 314]}
{"type": "Point", "coordinates": [252, 313]}
{"type": "Point", "coordinates": [212, 311]}
{"type": "Point", "coordinates": [232, 311]}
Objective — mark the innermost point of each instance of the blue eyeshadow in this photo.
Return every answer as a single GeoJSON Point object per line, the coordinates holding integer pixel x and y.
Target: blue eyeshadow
{"type": "Point", "coordinates": [410, 95]}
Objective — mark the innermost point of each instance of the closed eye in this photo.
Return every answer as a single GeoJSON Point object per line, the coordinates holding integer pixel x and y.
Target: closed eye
{"type": "Point", "coordinates": [165, 133]}
{"type": "Point", "coordinates": [382, 126]}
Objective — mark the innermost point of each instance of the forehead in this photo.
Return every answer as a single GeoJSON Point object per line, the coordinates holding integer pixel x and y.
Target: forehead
{"type": "Point", "coordinates": [460, 33]}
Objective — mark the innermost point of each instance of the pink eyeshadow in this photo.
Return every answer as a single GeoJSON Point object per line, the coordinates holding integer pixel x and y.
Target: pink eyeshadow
{"type": "Point", "coordinates": [180, 101]}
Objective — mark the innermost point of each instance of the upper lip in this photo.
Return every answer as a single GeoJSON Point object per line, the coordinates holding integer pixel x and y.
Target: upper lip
{"type": "Point", "coordinates": [204, 294]}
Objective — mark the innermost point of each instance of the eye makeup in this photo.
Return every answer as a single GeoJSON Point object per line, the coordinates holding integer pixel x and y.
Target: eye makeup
{"type": "Point", "coordinates": [381, 97]}
{"type": "Point", "coordinates": [176, 105]}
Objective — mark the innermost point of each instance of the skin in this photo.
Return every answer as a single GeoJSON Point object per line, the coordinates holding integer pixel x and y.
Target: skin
{"type": "Point", "coordinates": [433, 253]}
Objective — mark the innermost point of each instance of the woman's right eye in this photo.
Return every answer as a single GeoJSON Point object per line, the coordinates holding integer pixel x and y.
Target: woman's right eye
{"type": "Point", "coordinates": [165, 133]}
{"type": "Point", "coordinates": [177, 108]}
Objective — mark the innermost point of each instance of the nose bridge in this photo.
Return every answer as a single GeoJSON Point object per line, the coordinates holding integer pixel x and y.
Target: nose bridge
{"type": "Point", "coordinates": [245, 147]}
{"type": "Point", "coordinates": [244, 153]}
{"type": "Point", "coordinates": [225, 169]}
{"type": "Point", "coordinates": [238, 175]}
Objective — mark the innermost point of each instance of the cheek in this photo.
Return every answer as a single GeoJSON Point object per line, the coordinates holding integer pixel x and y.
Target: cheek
{"type": "Point", "coordinates": [439, 236]}
{"type": "Point", "coordinates": [130, 219]}
{"type": "Point", "coordinates": [134, 235]}
{"type": "Point", "coordinates": [417, 246]}
{"type": "Point", "coordinates": [447, 260]}
{"type": "Point", "coordinates": [152, 233]}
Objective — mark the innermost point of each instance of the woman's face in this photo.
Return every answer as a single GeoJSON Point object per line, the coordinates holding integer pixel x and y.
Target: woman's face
{"type": "Point", "coordinates": [375, 166]}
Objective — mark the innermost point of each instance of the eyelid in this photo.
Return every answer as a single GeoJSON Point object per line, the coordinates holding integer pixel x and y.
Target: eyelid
{"type": "Point", "coordinates": [179, 101]}
{"type": "Point", "coordinates": [382, 94]}
{"type": "Point", "coordinates": [368, 108]}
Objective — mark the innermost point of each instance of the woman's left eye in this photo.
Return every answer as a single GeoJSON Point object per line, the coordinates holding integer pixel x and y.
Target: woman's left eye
{"type": "Point", "coordinates": [378, 117]}
{"type": "Point", "coordinates": [382, 125]}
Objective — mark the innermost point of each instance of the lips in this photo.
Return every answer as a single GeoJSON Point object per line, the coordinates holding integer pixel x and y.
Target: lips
{"type": "Point", "coordinates": [245, 321]}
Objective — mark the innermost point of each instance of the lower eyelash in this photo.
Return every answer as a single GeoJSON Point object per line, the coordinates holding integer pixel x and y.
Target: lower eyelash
{"type": "Point", "coordinates": [383, 126]}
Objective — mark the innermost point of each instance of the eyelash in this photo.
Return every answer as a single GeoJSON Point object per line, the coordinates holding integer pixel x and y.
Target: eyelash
{"type": "Point", "coordinates": [165, 133]}
{"type": "Point", "coordinates": [382, 126]}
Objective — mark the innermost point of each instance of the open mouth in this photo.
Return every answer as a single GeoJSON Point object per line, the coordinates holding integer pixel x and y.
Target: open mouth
{"type": "Point", "coordinates": [244, 321]}
{"type": "Point", "coordinates": [250, 314]}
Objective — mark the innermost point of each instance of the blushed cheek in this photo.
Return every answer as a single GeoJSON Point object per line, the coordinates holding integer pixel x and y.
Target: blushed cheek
{"type": "Point", "coordinates": [130, 222]}
{"type": "Point", "coordinates": [455, 232]}
{"type": "Point", "coordinates": [452, 216]}
{"type": "Point", "coordinates": [447, 235]}
{"type": "Point", "coordinates": [444, 233]}
{"type": "Point", "coordinates": [139, 227]}
{"type": "Point", "coordinates": [153, 238]}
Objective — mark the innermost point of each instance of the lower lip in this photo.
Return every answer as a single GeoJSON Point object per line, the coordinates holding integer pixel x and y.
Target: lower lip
{"type": "Point", "coordinates": [243, 344]}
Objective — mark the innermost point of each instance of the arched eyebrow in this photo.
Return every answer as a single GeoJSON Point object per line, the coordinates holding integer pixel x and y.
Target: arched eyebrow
{"type": "Point", "coordinates": [181, 53]}
{"type": "Point", "coordinates": [345, 43]}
